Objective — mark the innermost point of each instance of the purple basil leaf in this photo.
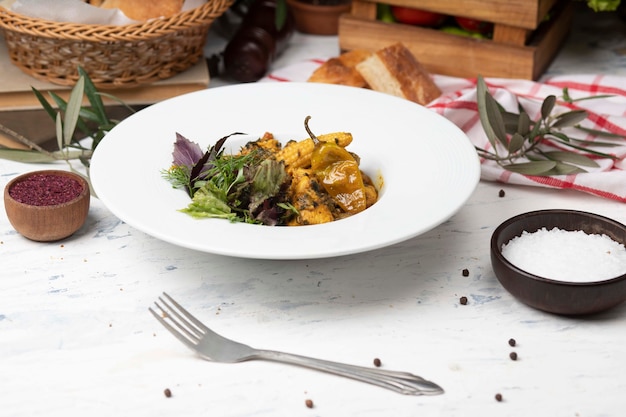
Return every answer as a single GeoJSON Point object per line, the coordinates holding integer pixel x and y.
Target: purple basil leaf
{"type": "Point", "coordinates": [205, 163]}
{"type": "Point", "coordinates": [186, 153]}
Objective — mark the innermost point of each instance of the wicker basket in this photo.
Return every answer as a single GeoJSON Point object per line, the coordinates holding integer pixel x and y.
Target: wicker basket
{"type": "Point", "coordinates": [113, 56]}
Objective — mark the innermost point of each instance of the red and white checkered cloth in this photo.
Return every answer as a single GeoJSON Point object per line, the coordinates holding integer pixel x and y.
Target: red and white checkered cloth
{"type": "Point", "coordinates": [458, 104]}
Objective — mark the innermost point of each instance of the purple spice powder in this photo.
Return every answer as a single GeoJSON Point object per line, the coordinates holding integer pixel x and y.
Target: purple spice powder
{"type": "Point", "coordinates": [46, 190]}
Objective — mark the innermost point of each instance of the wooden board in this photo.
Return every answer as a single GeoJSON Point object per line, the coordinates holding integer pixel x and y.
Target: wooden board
{"type": "Point", "coordinates": [22, 114]}
{"type": "Point", "coordinates": [16, 92]}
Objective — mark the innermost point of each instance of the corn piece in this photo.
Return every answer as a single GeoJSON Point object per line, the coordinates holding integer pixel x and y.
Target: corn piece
{"type": "Point", "coordinates": [296, 154]}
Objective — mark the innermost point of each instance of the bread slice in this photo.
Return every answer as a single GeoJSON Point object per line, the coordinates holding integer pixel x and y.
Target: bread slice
{"type": "Point", "coordinates": [341, 70]}
{"type": "Point", "coordinates": [145, 9]}
{"type": "Point", "coordinates": [395, 70]}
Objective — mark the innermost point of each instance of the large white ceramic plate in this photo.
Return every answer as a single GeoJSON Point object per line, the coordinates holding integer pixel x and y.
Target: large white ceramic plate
{"type": "Point", "coordinates": [428, 166]}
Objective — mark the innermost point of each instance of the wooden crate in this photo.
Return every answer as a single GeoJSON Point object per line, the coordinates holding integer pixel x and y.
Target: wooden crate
{"type": "Point", "coordinates": [523, 43]}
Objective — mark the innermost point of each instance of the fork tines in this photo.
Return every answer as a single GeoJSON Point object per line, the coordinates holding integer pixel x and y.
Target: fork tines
{"type": "Point", "coordinates": [178, 321]}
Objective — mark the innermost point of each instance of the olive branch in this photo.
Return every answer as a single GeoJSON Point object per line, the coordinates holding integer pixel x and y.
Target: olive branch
{"type": "Point", "coordinates": [514, 136]}
{"type": "Point", "coordinates": [70, 118]}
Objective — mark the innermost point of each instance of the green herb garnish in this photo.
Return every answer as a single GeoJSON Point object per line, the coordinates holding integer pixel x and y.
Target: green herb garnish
{"type": "Point", "coordinates": [246, 187]}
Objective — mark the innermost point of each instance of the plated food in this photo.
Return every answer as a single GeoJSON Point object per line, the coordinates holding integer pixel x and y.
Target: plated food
{"type": "Point", "coordinates": [312, 181]}
{"type": "Point", "coordinates": [429, 167]}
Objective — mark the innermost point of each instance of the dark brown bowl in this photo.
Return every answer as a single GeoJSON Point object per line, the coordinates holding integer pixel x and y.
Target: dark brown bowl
{"type": "Point", "coordinates": [566, 298]}
{"type": "Point", "coordinates": [50, 222]}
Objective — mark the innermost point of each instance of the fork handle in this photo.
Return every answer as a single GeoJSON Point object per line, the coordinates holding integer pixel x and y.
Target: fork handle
{"type": "Point", "coordinates": [402, 382]}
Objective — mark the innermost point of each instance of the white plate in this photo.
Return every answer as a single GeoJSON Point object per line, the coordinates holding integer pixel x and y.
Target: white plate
{"type": "Point", "coordinates": [428, 166]}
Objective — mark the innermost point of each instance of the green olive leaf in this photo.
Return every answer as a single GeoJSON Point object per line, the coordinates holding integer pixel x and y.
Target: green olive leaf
{"type": "Point", "coordinates": [589, 150]}
{"type": "Point", "coordinates": [523, 124]}
{"type": "Point", "coordinates": [562, 168]}
{"type": "Point", "coordinates": [547, 106]}
{"type": "Point", "coordinates": [495, 119]}
{"type": "Point", "coordinates": [536, 127]}
{"type": "Point", "coordinates": [516, 143]}
{"type": "Point", "coordinates": [89, 115]}
{"type": "Point", "coordinates": [44, 103]}
{"type": "Point", "coordinates": [35, 157]}
{"type": "Point", "coordinates": [511, 121]}
{"type": "Point", "coordinates": [73, 110]}
{"type": "Point", "coordinates": [59, 131]}
{"type": "Point", "coordinates": [600, 144]}
{"type": "Point", "coordinates": [19, 155]}
{"type": "Point", "coordinates": [570, 118]}
{"type": "Point", "coordinates": [481, 99]}
{"type": "Point", "coordinates": [93, 97]}
{"type": "Point", "coordinates": [601, 133]}
{"type": "Point", "coordinates": [58, 100]}
{"type": "Point", "coordinates": [561, 136]}
{"type": "Point", "coordinates": [572, 158]}
{"type": "Point", "coordinates": [531, 168]}
{"type": "Point", "coordinates": [62, 105]}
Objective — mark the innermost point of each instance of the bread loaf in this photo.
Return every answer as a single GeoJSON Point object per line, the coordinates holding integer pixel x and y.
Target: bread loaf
{"type": "Point", "coordinates": [342, 69]}
{"type": "Point", "coordinates": [395, 70]}
{"type": "Point", "coordinates": [143, 9]}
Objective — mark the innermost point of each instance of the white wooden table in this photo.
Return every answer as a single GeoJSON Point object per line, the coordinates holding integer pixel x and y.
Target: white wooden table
{"type": "Point", "coordinates": [76, 337]}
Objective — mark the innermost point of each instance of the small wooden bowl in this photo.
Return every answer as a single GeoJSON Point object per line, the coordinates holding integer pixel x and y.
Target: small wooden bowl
{"type": "Point", "coordinates": [559, 297]}
{"type": "Point", "coordinates": [52, 220]}
{"type": "Point", "coordinates": [318, 19]}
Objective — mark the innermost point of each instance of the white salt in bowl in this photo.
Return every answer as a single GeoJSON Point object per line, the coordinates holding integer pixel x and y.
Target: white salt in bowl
{"type": "Point", "coordinates": [587, 272]}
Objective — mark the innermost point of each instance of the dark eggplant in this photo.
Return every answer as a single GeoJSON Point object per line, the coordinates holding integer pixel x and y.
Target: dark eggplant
{"type": "Point", "coordinates": [256, 44]}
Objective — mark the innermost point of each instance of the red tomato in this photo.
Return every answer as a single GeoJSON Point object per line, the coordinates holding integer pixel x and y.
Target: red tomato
{"type": "Point", "coordinates": [473, 25]}
{"type": "Point", "coordinates": [417, 17]}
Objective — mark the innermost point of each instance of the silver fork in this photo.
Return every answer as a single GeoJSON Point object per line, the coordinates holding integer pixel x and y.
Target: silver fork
{"type": "Point", "coordinates": [214, 347]}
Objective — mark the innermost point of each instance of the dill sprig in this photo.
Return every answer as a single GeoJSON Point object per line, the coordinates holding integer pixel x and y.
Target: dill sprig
{"type": "Point", "coordinates": [228, 171]}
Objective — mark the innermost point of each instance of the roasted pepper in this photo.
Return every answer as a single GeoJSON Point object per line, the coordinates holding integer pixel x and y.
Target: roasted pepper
{"type": "Point", "coordinates": [339, 173]}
